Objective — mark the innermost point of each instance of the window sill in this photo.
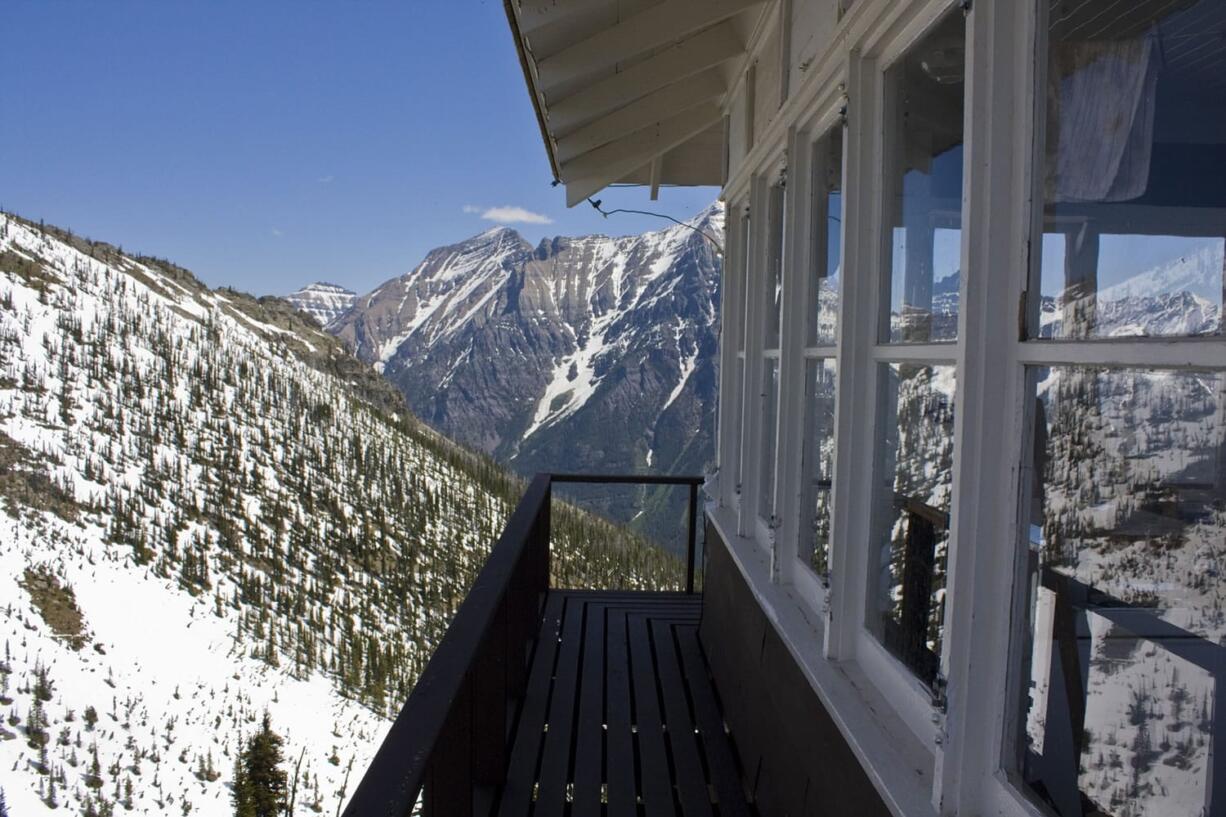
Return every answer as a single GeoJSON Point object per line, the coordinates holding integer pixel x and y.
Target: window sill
{"type": "Point", "coordinates": [898, 765]}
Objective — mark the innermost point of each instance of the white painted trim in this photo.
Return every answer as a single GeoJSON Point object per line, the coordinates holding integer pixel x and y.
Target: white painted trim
{"type": "Point", "coordinates": [894, 761]}
{"type": "Point", "coordinates": [1157, 353]}
{"type": "Point", "coordinates": [852, 486]}
{"type": "Point", "coordinates": [989, 415]}
{"type": "Point", "coordinates": [790, 436]}
{"type": "Point", "coordinates": [935, 353]}
{"type": "Point", "coordinates": [907, 694]}
{"type": "Point", "coordinates": [751, 412]}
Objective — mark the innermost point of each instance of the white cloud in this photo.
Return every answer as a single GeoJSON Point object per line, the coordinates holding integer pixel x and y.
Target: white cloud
{"type": "Point", "coordinates": [325, 179]}
{"type": "Point", "coordinates": [276, 233]}
{"type": "Point", "coordinates": [508, 214]}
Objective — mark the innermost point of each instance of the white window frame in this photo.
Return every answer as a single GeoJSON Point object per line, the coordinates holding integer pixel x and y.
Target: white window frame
{"type": "Point", "coordinates": [732, 355]}
{"type": "Point", "coordinates": [799, 281]}
{"type": "Point", "coordinates": [923, 759]}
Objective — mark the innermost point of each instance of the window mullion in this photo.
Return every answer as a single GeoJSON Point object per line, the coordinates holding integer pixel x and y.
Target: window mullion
{"type": "Point", "coordinates": [732, 324]}
{"type": "Point", "coordinates": [857, 333]}
{"type": "Point", "coordinates": [990, 411]}
{"type": "Point", "coordinates": [755, 304]}
{"type": "Point", "coordinates": [796, 283]}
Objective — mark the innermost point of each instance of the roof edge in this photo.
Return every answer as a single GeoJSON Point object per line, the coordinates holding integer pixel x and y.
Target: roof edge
{"type": "Point", "coordinates": [513, 20]}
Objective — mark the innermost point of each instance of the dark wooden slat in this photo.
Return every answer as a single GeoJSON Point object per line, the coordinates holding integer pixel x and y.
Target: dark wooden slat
{"type": "Point", "coordinates": [657, 792]}
{"type": "Point", "coordinates": [589, 742]}
{"type": "Point", "coordinates": [530, 732]}
{"type": "Point", "coordinates": [626, 479]}
{"type": "Point", "coordinates": [691, 782]}
{"type": "Point", "coordinates": [555, 762]}
{"type": "Point", "coordinates": [720, 761]}
{"type": "Point", "coordinates": [620, 763]}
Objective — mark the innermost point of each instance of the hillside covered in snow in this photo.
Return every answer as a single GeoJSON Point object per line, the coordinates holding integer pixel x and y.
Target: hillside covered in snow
{"type": "Point", "coordinates": [211, 511]}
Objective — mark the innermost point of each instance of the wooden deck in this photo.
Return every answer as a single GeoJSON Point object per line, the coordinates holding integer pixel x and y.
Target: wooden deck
{"type": "Point", "coordinates": [620, 717]}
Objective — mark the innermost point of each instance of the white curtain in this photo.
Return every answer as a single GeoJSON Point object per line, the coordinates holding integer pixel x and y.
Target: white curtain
{"type": "Point", "coordinates": [1101, 103]}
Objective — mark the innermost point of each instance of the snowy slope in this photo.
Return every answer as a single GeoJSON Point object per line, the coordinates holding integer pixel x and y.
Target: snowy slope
{"type": "Point", "coordinates": [209, 511]}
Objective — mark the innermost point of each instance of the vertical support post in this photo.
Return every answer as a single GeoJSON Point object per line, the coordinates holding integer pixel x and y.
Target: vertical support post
{"type": "Point", "coordinates": [919, 559]}
{"type": "Point", "coordinates": [1215, 786]}
{"type": "Point", "coordinates": [540, 543]}
{"type": "Point", "coordinates": [691, 545]}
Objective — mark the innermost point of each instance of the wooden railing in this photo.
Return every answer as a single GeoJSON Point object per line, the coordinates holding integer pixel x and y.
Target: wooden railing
{"type": "Point", "coordinates": [448, 746]}
{"type": "Point", "coordinates": [1056, 771]}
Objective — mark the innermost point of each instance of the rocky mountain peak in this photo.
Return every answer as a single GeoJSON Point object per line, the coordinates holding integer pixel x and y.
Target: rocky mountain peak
{"type": "Point", "coordinates": [323, 301]}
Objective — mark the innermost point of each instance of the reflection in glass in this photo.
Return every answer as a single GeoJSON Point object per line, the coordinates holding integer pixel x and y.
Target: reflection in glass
{"type": "Point", "coordinates": [911, 516]}
{"type": "Point", "coordinates": [770, 423]}
{"type": "Point", "coordinates": [827, 239]}
{"type": "Point", "coordinates": [742, 273]}
{"type": "Point", "coordinates": [924, 177]}
{"type": "Point", "coordinates": [1135, 148]}
{"type": "Point", "coordinates": [818, 468]}
{"type": "Point", "coordinates": [774, 267]}
{"type": "Point", "coordinates": [1127, 521]}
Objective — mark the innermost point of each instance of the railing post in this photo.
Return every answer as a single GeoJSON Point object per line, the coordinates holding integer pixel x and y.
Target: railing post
{"type": "Point", "coordinates": [542, 538]}
{"type": "Point", "coordinates": [692, 539]}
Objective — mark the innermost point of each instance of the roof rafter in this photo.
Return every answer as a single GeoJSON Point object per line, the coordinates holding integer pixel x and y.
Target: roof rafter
{"type": "Point", "coordinates": [714, 46]}
{"type": "Point", "coordinates": [658, 105]}
{"type": "Point", "coordinates": [656, 26]}
{"type": "Point", "coordinates": [536, 14]}
{"type": "Point", "coordinates": [601, 167]}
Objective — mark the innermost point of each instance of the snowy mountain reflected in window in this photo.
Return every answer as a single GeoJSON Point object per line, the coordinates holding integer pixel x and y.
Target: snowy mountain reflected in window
{"type": "Point", "coordinates": [1128, 529]}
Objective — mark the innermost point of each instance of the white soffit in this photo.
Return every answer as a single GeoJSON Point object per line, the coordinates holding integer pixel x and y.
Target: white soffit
{"type": "Point", "coordinates": [631, 91]}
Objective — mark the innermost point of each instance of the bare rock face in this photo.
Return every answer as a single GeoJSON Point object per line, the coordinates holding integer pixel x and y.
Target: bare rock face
{"type": "Point", "coordinates": [322, 301]}
{"type": "Point", "coordinates": [579, 354]}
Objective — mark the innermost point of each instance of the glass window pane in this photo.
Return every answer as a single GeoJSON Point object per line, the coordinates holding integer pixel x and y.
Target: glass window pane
{"type": "Point", "coordinates": [827, 239]}
{"type": "Point", "coordinates": [1127, 520]}
{"type": "Point", "coordinates": [911, 517]}
{"type": "Point", "coordinates": [924, 178]}
{"type": "Point", "coordinates": [770, 423]}
{"type": "Point", "coordinates": [742, 272]}
{"type": "Point", "coordinates": [774, 266]}
{"type": "Point", "coordinates": [814, 546]}
{"type": "Point", "coordinates": [1135, 153]}
{"type": "Point", "coordinates": [739, 425]}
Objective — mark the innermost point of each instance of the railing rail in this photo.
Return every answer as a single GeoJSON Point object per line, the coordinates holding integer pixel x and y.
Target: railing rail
{"type": "Point", "coordinates": [451, 736]}
{"type": "Point", "coordinates": [1058, 765]}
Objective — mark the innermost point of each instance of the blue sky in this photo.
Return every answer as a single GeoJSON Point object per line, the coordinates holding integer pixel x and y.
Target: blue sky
{"type": "Point", "coordinates": [268, 144]}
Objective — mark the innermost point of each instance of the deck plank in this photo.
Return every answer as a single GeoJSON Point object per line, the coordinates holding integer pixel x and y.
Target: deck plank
{"type": "Point", "coordinates": [607, 727]}
{"type": "Point", "coordinates": [656, 778]}
{"type": "Point", "coordinates": [529, 733]}
{"type": "Point", "coordinates": [555, 762]}
{"type": "Point", "coordinates": [589, 740]}
{"type": "Point", "coordinates": [720, 760]}
{"type": "Point", "coordinates": [622, 792]}
{"type": "Point", "coordinates": [691, 782]}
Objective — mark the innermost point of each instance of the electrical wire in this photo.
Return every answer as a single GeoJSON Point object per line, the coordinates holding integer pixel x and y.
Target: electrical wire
{"type": "Point", "coordinates": [719, 248]}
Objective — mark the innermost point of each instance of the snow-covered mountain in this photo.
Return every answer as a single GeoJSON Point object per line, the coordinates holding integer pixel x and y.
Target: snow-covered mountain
{"type": "Point", "coordinates": [1180, 297]}
{"type": "Point", "coordinates": [209, 510]}
{"type": "Point", "coordinates": [322, 301]}
{"type": "Point", "coordinates": [579, 354]}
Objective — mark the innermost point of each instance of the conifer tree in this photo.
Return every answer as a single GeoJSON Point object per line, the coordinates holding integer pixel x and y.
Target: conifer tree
{"type": "Point", "coordinates": [259, 780]}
